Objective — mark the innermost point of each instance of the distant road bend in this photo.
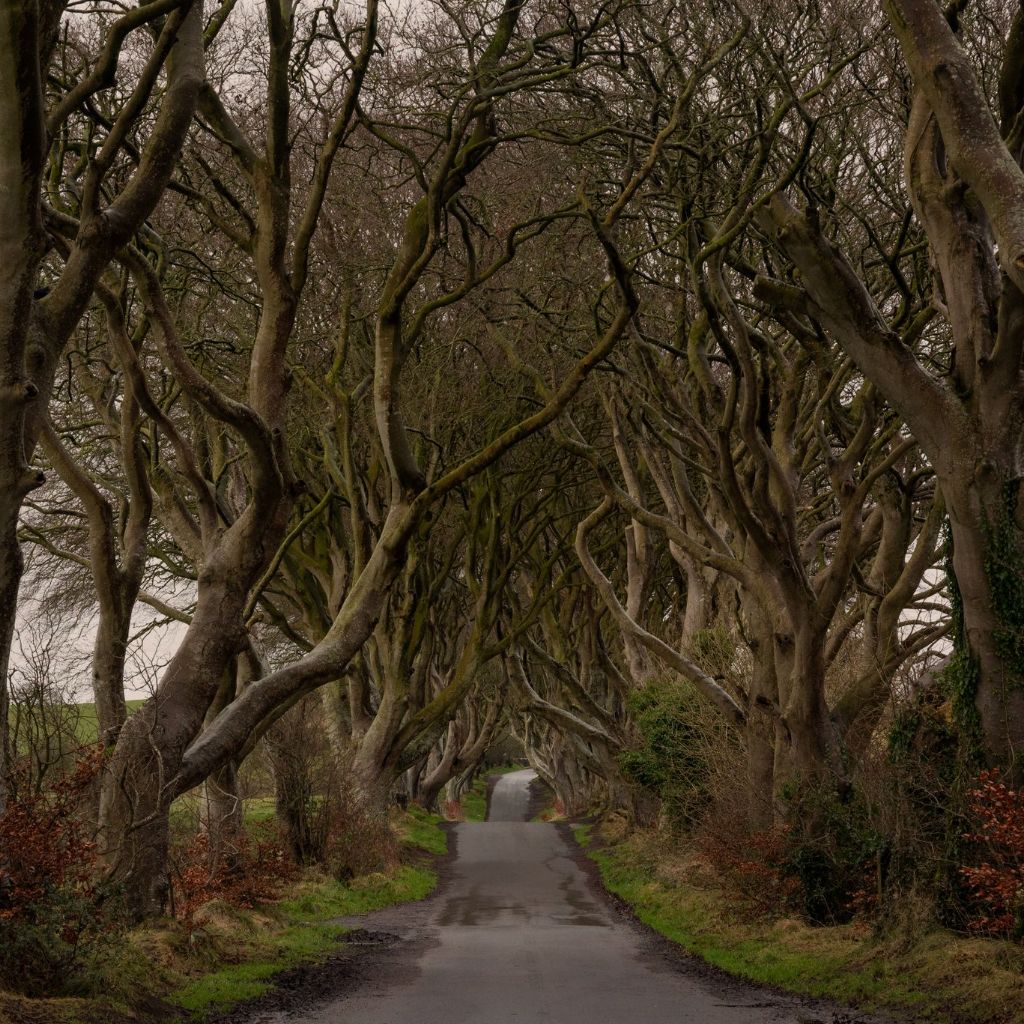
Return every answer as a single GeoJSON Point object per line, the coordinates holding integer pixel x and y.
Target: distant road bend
{"type": "Point", "coordinates": [518, 934]}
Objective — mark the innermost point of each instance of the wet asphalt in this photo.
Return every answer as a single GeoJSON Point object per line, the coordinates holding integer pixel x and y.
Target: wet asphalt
{"type": "Point", "coordinates": [520, 935]}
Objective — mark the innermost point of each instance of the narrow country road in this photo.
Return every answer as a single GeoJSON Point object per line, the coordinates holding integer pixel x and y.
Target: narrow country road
{"type": "Point", "coordinates": [519, 934]}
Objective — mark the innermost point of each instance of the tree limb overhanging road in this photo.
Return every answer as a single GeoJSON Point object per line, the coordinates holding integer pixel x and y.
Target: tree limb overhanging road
{"type": "Point", "coordinates": [629, 390]}
{"type": "Point", "coordinates": [520, 934]}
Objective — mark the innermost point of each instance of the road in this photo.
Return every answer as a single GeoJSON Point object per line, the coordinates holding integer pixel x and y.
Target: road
{"type": "Point", "coordinates": [519, 935]}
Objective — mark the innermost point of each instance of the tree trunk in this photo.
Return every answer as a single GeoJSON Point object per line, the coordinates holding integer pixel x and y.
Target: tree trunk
{"type": "Point", "coordinates": [222, 816]}
{"type": "Point", "coordinates": [808, 752]}
{"type": "Point", "coordinates": [139, 786]}
{"type": "Point", "coordinates": [372, 781]}
{"type": "Point", "coordinates": [21, 248]}
{"type": "Point", "coordinates": [441, 773]}
{"type": "Point", "coordinates": [109, 651]}
{"type": "Point", "coordinates": [988, 563]}
{"type": "Point", "coordinates": [761, 745]}
{"type": "Point", "coordinates": [10, 580]}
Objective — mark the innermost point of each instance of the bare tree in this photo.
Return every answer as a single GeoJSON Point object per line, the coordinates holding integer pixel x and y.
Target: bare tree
{"type": "Point", "coordinates": [964, 178]}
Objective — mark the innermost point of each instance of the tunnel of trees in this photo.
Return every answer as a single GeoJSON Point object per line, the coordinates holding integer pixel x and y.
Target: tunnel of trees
{"type": "Point", "coordinates": [637, 384]}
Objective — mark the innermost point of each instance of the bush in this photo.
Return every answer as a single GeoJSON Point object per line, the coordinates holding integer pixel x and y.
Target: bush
{"type": "Point", "coordinates": [672, 755]}
{"type": "Point", "coordinates": [824, 864]}
{"type": "Point", "coordinates": [324, 821]}
{"type": "Point", "coordinates": [359, 840]}
{"type": "Point", "coordinates": [835, 855]}
{"type": "Point", "coordinates": [243, 869]}
{"type": "Point", "coordinates": [995, 884]}
{"type": "Point", "coordinates": [55, 916]}
{"type": "Point", "coordinates": [752, 864]}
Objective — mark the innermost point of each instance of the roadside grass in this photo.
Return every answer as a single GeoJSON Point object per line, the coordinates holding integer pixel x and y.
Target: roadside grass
{"type": "Point", "coordinates": [421, 829]}
{"type": "Point", "coordinates": [304, 926]}
{"type": "Point", "coordinates": [297, 930]}
{"type": "Point", "coordinates": [164, 972]}
{"type": "Point", "coordinates": [936, 976]}
{"type": "Point", "coordinates": [474, 800]}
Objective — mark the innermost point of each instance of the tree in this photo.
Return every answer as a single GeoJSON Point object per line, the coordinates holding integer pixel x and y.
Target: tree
{"type": "Point", "coordinates": [964, 178]}
{"type": "Point", "coordinates": [164, 749]}
{"type": "Point", "coordinates": [120, 184]}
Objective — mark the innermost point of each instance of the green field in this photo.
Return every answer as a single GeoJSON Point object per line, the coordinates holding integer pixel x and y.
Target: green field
{"type": "Point", "coordinates": [88, 729]}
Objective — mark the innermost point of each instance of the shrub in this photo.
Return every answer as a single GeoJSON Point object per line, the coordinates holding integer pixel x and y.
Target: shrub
{"type": "Point", "coordinates": [242, 869]}
{"type": "Point", "coordinates": [995, 884]}
{"type": "Point", "coordinates": [360, 840]}
{"type": "Point", "coordinates": [55, 915]}
{"type": "Point", "coordinates": [752, 864]}
{"type": "Point", "coordinates": [672, 754]}
{"type": "Point", "coordinates": [834, 853]}
{"type": "Point", "coordinates": [823, 864]}
{"type": "Point", "coordinates": [922, 792]}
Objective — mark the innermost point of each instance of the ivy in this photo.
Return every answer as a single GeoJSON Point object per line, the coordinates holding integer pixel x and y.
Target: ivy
{"type": "Point", "coordinates": [959, 680]}
{"type": "Point", "coordinates": [1004, 573]}
{"type": "Point", "coordinates": [936, 746]}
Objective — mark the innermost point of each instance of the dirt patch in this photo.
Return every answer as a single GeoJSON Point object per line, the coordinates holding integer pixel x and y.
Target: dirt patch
{"type": "Point", "coordinates": [662, 951]}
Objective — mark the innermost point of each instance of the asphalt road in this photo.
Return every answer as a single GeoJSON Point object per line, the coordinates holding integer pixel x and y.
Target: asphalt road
{"type": "Point", "coordinates": [520, 934]}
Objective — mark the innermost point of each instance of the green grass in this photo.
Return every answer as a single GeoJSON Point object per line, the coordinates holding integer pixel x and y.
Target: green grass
{"type": "Point", "coordinates": [474, 800]}
{"type": "Point", "coordinates": [306, 924]}
{"type": "Point", "coordinates": [421, 830]}
{"type": "Point", "coordinates": [259, 809]}
{"type": "Point", "coordinates": [309, 933]}
{"type": "Point", "coordinates": [87, 728]}
{"type": "Point", "coordinates": [298, 943]}
{"type": "Point", "coordinates": [937, 976]}
{"type": "Point", "coordinates": [79, 718]}
{"type": "Point", "coordinates": [361, 895]}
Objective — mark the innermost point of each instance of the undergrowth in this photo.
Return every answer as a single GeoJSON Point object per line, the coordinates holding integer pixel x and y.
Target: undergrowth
{"type": "Point", "coordinates": [221, 952]}
{"type": "Point", "coordinates": [931, 975]}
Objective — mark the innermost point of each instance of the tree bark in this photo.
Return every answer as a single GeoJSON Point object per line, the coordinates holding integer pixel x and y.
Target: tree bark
{"type": "Point", "coordinates": [21, 249]}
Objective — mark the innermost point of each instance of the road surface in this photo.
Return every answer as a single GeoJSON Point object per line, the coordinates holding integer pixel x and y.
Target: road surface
{"type": "Point", "coordinates": [519, 935]}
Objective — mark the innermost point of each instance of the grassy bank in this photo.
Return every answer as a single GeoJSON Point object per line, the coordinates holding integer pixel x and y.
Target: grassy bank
{"type": "Point", "coordinates": [163, 972]}
{"type": "Point", "coordinates": [933, 976]}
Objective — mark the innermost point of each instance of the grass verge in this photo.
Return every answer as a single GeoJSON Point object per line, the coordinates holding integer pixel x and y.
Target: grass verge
{"type": "Point", "coordinates": [936, 976]}
{"type": "Point", "coordinates": [300, 930]}
{"type": "Point", "coordinates": [163, 973]}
